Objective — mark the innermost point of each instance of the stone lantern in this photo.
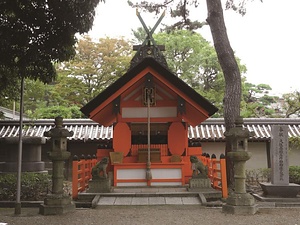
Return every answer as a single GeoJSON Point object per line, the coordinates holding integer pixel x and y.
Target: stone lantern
{"type": "Point", "coordinates": [58, 202]}
{"type": "Point", "coordinates": [239, 202]}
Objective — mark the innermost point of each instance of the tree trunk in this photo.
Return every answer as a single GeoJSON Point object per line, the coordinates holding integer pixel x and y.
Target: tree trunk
{"type": "Point", "coordinates": [232, 96]}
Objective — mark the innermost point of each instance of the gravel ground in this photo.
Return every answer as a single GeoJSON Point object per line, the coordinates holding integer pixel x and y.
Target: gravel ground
{"type": "Point", "coordinates": [146, 215]}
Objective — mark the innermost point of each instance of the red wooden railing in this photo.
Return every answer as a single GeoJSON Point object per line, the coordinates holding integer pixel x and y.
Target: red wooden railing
{"type": "Point", "coordinates": [216, 172]}
{"type": "Point", "coordinates": [82, 173]}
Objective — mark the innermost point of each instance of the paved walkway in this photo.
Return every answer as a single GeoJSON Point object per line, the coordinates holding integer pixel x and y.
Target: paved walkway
{"type": "Point", "coordinates": [106, 201]}
{"type": "Point", "coordinates": [149, 196]}
{"type": "Point", "coordinates": [169, 209]}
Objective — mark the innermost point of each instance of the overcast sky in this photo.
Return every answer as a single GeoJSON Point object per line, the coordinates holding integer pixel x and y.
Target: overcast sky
{"type": "Point", "coordinates": [266, 39]}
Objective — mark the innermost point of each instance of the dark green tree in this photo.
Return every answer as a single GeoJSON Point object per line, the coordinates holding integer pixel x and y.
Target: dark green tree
{"type": "Point", "coordinates": [34, 34]}
{"type": "Point", "coordinates": [195, 61]}
{"type": "Point", "coordinates": [291, 104]}
{"type": "Point", "coordinates": [257, 101]}
{"type": "Point", "coordinates": [95, 66]}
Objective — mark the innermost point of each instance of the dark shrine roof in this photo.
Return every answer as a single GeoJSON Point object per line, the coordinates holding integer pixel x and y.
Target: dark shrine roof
{"type": "Point", "coordinates": [163, 71]}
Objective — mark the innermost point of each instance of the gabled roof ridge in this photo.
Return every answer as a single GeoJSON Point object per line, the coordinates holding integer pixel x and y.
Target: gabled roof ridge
{"type": "Point", "coordinates": [163, 71]}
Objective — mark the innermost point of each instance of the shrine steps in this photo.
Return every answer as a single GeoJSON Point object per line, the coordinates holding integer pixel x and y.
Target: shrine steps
{"type": "Point", "coordinates": [150, 196]}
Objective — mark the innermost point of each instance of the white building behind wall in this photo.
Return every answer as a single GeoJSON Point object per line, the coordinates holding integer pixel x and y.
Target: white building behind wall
{"type": "Point", "coordinates": [88, 135]}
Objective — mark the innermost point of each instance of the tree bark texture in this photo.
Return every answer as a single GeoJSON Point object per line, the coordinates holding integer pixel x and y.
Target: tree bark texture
{"type": "Point", "coordinates": [232, 96]}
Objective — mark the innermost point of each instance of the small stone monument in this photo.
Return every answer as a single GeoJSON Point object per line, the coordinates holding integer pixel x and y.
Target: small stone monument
{"type": "Point", "coordinates": [239, 202]}
{"type": "Point", "coordinates": [58, 202]}
{"type": "Point", "coordinates": [100, 183]}
{"type": "Point", "coordinates": [280, 186]}
{"type": "Point", "coordinates": [199, 180]}
{"type": "Point", "coordinates": [31, 157]}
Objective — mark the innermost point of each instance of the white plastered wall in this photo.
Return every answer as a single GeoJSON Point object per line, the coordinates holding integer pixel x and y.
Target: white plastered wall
{"type": "Point", "coordinates": [258, 150]}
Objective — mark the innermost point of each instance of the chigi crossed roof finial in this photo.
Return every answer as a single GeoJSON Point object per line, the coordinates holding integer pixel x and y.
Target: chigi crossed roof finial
{"type": "Point", "coordinates": [149, 48]}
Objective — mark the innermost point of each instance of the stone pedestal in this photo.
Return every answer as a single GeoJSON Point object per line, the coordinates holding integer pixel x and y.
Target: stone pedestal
{"type": "Point", "coordinates": [56, 205]}
{"type": "Point", "coordinates": [102, 185]}
{"type": "Point", "coordinates": [280, 186]}
{"type": "Point", "coordinates": [282, 191]}
{"type": "Point", "coordinates": [199, 184]}
{"type": "Point", "coordinates": [31, 157]}
{"type": "Point", "coordinates": [239, 202]}
{"type": "Point", "coordinates": [242, 204]}
{"type": "Point", "coordinates": [58, 202]}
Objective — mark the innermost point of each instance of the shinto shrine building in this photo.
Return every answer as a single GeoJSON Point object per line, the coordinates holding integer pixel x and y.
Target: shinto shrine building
{"type": "Point", "coordinates": [150, 109]}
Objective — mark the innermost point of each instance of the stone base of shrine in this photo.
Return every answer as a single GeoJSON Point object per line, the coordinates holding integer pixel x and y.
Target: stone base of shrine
{"type": "Point", "coordinates": [199, 184]}
{"type": "Point", "coordinates": [57, 205]}
{"type": "Point", "coordinates": [284, 191]}
{"type": "Point", "coordinates": [102, 185]}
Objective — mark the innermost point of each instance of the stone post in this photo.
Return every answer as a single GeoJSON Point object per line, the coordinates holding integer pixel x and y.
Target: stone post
{"type": "Point", "coordinates": [239, 202]}
{"type": "Point", "coordinates": [280, 187]}
{"type": "Point", "coordinates": [58, 202]}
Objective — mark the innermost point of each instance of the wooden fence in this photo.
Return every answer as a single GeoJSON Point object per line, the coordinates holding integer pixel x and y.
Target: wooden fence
{"type": "Point", "coordinates": [216, 172]}
{"type": "Point", "coordinates": [82, 169]}
{"type": "Point", "coordinates": [82, 173]}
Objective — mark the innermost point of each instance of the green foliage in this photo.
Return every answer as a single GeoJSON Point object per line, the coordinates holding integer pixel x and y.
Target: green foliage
{"type": "Point", "coordinates": [264, 175]}
{"type": "Point", "coordinates": [191, 58]}
{"type": "Point", "coordinates": [1, 115]}
{"type": "Point", "coordinates": [34, 34]}
{"type": "Point", "coordinates": [256, 101]}
{"type": "Point", "coordinates": [9, 87]}
{"type": "Point", "coordinates": [258, 175]}
{"type": "Point", "coordinates": [195, 61]}
{"type": "Point", "coordinates": [96, 65]}
{"type": "Point", "coordinates": [292, 104]}
{"type": "Point", "coordinates": [294, 143]}
{"type": "Point", "coordinates": [294, 172]}
{"type": "Point", "coordinates": [54, 111]}
{"type": "Point", "coordinates": [34, 186]}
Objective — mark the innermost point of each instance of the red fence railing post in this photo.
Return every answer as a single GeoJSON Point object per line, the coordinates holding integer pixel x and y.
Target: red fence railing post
{"type": "Point", "coordinates": [214, 169]}
{"type": "Point", "coordinates": [82, 173]}
{"type": "Point", "coordinates": [223, 176]}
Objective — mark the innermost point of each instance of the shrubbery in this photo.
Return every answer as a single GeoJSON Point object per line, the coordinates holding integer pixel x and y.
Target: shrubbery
{"type": "Point", "coordinates": [264, 175]}
{"type": "Point", "coordinates": [258, 175]}
{"type": "Point", "coordinates": [294, 172]}
{"type": "Point", "coordinates": [34, 186]}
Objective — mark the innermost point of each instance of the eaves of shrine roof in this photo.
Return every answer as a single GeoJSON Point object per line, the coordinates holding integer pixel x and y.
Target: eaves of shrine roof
{"type": "Point", "coordinates": [163, 71]}
{"type": "Point", "coordinates": [208, 131]}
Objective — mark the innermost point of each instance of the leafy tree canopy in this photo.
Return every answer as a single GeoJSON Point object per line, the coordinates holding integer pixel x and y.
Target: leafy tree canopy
{"type": "Point", "coordinates": [256, 101]}
{"type": "Point", "coordinates": [95, 66]}
{"type": "Point", "coordinates": [34, 33]}
{"type": "Point", "coordinates": [292, 104]}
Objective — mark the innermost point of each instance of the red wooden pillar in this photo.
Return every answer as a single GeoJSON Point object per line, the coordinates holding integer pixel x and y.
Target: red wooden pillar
{"type": "Point", "coordinates": [122, 138]}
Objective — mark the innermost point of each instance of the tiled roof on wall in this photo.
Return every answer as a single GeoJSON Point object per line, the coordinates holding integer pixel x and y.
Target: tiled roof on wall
{"type": "Point", "coordinates": [86, 130]}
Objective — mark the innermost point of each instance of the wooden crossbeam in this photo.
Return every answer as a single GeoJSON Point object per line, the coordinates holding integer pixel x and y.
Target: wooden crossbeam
{"type": "Point", "coordinates": [149, 33]}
